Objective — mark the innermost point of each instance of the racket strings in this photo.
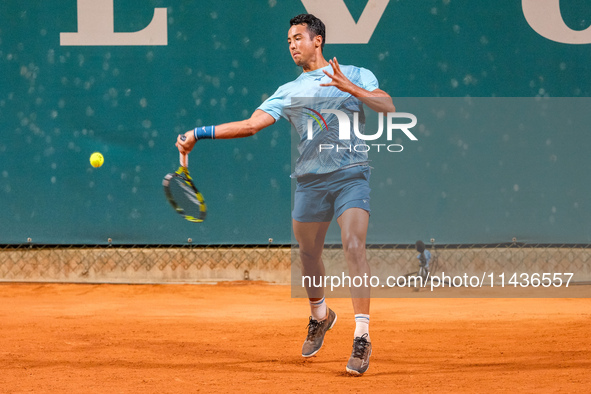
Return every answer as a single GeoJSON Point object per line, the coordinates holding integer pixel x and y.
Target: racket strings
{"type": "Point", "coordinates": [187, 200]}
{"type": "Point", "coordinates": [184, 196]}
{"type": "Point", "coordinates": [190, 193]}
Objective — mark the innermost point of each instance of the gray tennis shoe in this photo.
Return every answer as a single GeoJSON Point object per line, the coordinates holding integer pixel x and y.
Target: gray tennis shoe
{"type": "Point", "coordinates": [359, 360]}
{"type": "Point", "coordinates": [316, 331]}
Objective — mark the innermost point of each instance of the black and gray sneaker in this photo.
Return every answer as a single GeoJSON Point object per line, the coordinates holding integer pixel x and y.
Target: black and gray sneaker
{"type": "Point", "coordinates": [316, 331]}
{"type": "Point", "coordinates": [359, 360]}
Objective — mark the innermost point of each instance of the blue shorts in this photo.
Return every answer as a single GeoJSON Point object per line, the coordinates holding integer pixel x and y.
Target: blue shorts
{"type": "Point", "coordinates": [319, 197]}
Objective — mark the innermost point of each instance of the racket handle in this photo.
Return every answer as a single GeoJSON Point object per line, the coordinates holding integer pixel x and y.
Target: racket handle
{"type": "Point", "coordinates": [184, 159]}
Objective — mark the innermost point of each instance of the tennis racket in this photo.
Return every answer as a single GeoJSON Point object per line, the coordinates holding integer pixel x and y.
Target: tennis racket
{"type": "Point", "coordinates": [182, 194]}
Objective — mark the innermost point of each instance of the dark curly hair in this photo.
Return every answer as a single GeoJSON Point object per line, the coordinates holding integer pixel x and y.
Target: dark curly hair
{"type": "Point", "coordinates": [315, 26]}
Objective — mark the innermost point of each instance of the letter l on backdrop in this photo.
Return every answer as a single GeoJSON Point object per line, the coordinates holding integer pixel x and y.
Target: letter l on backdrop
{"type": "Point", "coordinates": [96, 26]}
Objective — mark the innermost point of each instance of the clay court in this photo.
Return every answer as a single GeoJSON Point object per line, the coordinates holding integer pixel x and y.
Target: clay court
{"type": "Point", "coordinates": [247, 336]}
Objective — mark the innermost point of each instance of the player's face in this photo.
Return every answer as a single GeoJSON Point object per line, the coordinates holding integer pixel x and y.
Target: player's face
{"type": "Point", "coordinates": [302, 45]}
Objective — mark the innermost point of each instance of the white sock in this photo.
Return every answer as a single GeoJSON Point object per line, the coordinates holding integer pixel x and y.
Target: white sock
{"type": "Point", "coordinates": [318, 309]}
{"type": "Point", "coordinates": [362, 325]}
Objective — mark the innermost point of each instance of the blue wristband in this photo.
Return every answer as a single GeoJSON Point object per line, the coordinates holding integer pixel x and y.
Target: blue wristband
{"type": "Point", "coordinates": [204, 133]}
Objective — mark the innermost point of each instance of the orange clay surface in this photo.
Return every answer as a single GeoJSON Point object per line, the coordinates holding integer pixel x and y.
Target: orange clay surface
{"type": "Point", "coordinates": [247, 337]}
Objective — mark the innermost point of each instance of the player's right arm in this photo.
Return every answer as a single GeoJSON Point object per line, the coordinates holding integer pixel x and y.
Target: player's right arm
{"type": "Point", "coordinates": [244, 128]}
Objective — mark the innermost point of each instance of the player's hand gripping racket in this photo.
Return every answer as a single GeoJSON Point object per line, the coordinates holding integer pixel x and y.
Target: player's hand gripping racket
{"type": "Point", "coordinates": [182, 193]}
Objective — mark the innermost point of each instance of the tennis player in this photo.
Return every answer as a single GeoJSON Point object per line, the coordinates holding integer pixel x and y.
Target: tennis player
{"type": "Point", "coordinates": [330, 182]}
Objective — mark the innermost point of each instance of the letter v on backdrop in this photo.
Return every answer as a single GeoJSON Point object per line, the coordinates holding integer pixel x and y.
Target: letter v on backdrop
{"type": "Point", "coordinates": [341, 28]}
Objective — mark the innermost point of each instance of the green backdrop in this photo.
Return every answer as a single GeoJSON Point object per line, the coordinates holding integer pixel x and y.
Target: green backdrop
{"type": "Point", "coordinates": [58, 104]}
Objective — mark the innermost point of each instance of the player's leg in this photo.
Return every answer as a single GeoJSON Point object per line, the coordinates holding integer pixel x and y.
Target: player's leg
{"type": "Point", "coordinates": [352, 212]}
{"type": "Point", "coordinates": [354, 223]}
{"type": "Point", "coordinates": [310, 238]}
{"type": "Point", "coordinates": [312, 214]}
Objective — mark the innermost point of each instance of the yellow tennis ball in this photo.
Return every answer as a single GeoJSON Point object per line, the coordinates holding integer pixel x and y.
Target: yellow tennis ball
{"type": "Point", "coordinates": [96, 159]}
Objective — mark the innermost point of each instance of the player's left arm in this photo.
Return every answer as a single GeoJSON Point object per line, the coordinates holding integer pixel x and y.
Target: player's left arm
{"type": "Point", "coordinates": [377, 99]}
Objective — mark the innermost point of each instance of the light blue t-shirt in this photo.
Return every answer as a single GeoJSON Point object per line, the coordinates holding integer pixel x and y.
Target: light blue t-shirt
{"type": "Point", "coordinates": [427, 257]}
{"type": "Point", "coordinates": [301, 102]}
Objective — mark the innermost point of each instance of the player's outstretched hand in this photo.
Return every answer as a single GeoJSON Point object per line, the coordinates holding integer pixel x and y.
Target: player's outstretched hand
{"type": "Point", "coordinates": [339, 80]}
{"type": "Point", "coordinates": [186, 145]}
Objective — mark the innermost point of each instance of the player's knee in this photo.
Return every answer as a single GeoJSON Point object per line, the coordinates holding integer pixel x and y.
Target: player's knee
{"type": "Point", "coordinates": [353, 245]}
{"type": "Point", "coordinates": [309, 256]}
